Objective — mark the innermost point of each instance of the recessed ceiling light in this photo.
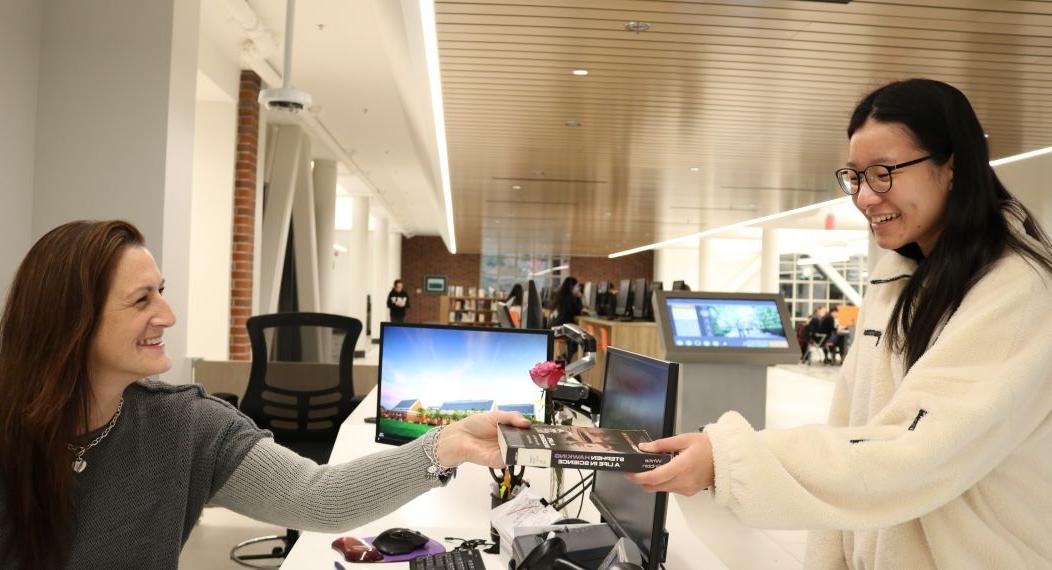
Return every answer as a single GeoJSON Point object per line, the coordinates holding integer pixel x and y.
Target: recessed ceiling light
{"type": "Point", "coordinates": [573, 123]}
{"type": "Point", "coordinates": [516, 187]}
{"type": "Point", "coordinates": [580, 72]}
{"type": "Point", "coordinates": [637, 26]}
{"type": "Point", "coordinates": [695, 168]}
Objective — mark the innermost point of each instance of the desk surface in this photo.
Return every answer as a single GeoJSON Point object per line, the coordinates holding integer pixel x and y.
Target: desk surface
{"type": "Point", "coordinates": [461, 510]}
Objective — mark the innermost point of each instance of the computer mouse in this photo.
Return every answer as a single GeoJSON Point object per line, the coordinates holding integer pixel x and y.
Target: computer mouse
{"type": "Point", "coordinates": [395, 541]}
{"type": "Point", "coordinates": [354, 550]}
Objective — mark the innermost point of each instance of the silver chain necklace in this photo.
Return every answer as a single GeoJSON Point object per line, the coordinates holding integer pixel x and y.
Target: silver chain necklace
{"type": "Point", "coordinates": [79, 464]}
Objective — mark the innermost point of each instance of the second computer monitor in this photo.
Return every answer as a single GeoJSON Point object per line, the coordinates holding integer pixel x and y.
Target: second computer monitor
{"type": "Point", "coordinates": [622, 297]}
{"type": "Point", "coordinates": [638, 393]}
{"type": "Point", "coordinates": [639, 292]}
{"type": "Point", "coordinates": [532, 309]}
{"type": "Point", "coordinates": [430, 375]}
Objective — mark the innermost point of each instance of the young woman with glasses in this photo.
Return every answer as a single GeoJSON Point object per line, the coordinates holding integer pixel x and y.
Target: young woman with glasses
{"type": "Point", "coordinates": [937, 452]}
{"type": "Point", "coordinates": [100, 468]}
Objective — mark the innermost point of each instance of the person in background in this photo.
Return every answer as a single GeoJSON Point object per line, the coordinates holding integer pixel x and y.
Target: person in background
{"type": "Point", "coordinates": [101, 467]}
{"type": "Point", "coordinates": [514, 298]}
{"type": "Point", "coordinates": [566, 305]}
{"type": "Point", "coordinates": [936, 453]}
{"type": "Point", "coordinates": [811, 329]}
{"type": "Point", "coordinates": [398, 302]}
{"type": "Point", "coordinates": [834, 343]}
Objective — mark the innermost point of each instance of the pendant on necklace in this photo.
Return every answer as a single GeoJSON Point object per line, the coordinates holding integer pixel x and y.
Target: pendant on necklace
{"type": "Point", "coordinates": [79, 465]}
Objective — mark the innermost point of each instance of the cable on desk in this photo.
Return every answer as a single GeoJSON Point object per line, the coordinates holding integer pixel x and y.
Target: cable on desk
{"type": "Point", "coordinates": [567, 491]}
{"type": "Point", "coordinates": [580, 494]}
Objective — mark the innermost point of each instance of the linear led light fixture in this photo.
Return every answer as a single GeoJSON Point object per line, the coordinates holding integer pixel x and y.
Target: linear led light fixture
{"type": "Point", "coordinates": [547, 271]}
{"type": "Point", "coordinates": [1022, 156]}
{"type": "Point", "coordinates": [430, 28]}
{"type": "Point", "coordinates": [736, 225]}
{"type": "Point", "coordinates": [762, 219]}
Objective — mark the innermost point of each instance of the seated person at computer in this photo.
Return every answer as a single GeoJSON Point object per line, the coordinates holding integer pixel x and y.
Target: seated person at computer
{"type": "Point", "coordinates": [937, 448]}
{"type": "Point", "coordinates": [833, 343]}
{"type": "Point", "coordinates": [100, 468]}
{"type": "Point", "coordinates": [566, 306]}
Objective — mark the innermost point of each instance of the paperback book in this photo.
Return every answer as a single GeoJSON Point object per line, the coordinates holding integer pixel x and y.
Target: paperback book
{"type": "Point", "coordinates": [543, 445]}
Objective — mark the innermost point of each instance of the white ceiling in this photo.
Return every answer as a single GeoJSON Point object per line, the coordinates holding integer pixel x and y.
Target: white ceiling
{"type": "Point", "coordinates": [365, 72]}
{"type": "Point", "coordinates": [756, 94]}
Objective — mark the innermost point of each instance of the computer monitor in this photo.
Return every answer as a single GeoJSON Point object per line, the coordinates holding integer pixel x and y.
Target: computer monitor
{"type": "Point", "coordinates": [588, 295]}
{"type": "Point", "coordinates": [622, 297]}
{"type": "Point", "coordinates": [739, 328]}
{"type": "Point", "coordinates": [648, 300]}
{"type": "Point", "coordinates": [504, 319]}
{"type": "Point", "coordinates": [639, 392]}
{"type": "Point", "coordinates": [532, 309]}
{"type": "Point", "coordinates": [639, 296]}
{"type": "Point", "coordinates": [431, 373]}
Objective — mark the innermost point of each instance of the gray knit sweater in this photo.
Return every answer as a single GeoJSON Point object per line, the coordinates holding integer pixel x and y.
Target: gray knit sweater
{"type": "Point", "coordinates": [175, 448]}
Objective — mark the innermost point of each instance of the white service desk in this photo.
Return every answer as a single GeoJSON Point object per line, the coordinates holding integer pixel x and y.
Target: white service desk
{"type": "Point", "coordinates": [461, 509]}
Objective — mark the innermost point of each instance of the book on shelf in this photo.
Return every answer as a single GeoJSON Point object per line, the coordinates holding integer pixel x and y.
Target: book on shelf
{"type": "Point", "coordinates": [604, 449]}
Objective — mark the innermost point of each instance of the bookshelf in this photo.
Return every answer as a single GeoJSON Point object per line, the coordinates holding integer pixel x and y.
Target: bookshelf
{"type": "Point", "coordinates": [468, 311]}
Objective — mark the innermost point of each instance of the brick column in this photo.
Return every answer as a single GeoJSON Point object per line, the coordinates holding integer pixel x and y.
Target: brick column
{"type": "Point", "coordinates": [244, 223]}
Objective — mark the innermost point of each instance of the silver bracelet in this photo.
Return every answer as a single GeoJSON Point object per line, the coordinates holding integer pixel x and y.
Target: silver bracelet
{"type": "Point", "coordinates": [436, 470]}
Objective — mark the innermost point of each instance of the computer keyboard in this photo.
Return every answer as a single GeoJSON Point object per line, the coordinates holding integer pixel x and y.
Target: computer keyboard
{"type": "Point", "coordinates": [454, 560]}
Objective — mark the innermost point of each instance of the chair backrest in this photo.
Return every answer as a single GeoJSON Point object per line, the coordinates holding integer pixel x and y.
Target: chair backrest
{"type": "Point", "coordinates": [300, 401]}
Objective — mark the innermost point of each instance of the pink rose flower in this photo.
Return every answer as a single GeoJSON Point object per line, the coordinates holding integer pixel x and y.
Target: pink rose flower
{"type": "Point", "coordinates": [547, 374]}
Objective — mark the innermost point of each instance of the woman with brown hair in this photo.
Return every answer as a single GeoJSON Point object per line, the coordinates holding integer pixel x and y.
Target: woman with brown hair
{"type": "Point", "coordinates": [100, 468]}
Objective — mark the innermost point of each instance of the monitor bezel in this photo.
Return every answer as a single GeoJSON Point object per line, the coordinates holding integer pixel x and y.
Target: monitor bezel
{"type": "Point", "coordinates": [657, 528]}
{"type": "Point", "coordinates": [724, 354]}
{"type": "Point", "coordinates": [380, 364]}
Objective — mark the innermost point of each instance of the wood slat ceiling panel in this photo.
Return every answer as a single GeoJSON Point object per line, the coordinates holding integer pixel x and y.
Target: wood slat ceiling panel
{"type": "Point", "coordinates": [754, 93]}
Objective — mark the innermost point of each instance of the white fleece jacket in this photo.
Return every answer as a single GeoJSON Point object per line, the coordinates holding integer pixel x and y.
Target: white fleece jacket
{"type": "Point", "coordinates": [948, 466]}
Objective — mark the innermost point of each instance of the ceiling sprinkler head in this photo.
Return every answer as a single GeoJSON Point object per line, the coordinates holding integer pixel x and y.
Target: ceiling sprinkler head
{"type": "Point", "coordinates": [637, 26]}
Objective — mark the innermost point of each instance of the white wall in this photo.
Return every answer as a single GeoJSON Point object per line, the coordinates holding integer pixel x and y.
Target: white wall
{"type": "Point", "coordinates": [212, 203]}
{"type": "Point", "coordinates": [738, 263]}
{"type": "Point", "coordinates": [19, 67]}
{"type": "Point", "coordinates": [115, 122]}
{"type": "Point", "coordinates": [215, 140]}
{"type": "Point", "coordinates": [676, 264]}
{"type": "Point", "coordinates": [1029, 180]}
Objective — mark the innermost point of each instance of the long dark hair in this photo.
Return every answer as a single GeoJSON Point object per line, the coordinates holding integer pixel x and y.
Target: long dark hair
{"type": "Point", "coordinates": [46, 333]}
{"type": "Point", "coordinates": [975, 231]}
{"type": "Point", "coordinates": [564, 293]}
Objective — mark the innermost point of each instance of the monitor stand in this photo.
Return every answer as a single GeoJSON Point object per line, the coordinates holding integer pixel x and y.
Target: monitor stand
{"type": "Point", "coordinates": [706, 391]}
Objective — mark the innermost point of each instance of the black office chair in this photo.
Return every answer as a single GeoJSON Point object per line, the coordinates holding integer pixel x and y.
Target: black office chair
{"type": "Point", "coordinates": [302, 402]}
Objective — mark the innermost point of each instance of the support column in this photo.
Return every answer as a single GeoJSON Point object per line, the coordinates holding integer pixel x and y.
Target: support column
{"type": "Point", "coordinates": [111, 155]}
{"type": "Point", "coordinates": [378, 251]}
{"type": "Point", "coordinates": [394, 259]}
{"type": "Point", "coordinates": [325, 214]}
{"type": "Point", "coordinates": [706, 254]}
{"type": "Point", "coordinates": [769, 261]}
{"type": "Point", "coordinates": [358, 253]}
{"type": "Point", "coordinates": [242, 265]}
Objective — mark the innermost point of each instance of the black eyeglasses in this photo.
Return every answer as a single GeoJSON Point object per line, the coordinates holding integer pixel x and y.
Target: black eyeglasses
{"type": "Point", "coordinates": [878, 176]}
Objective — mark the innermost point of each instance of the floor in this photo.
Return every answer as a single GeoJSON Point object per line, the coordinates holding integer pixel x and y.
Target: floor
{"type": "Point", "coordinates": [796, 394]}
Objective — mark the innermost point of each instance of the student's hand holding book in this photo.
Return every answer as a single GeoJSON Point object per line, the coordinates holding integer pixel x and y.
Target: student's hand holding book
{"type": "Point", "coordinates": [689, 471]}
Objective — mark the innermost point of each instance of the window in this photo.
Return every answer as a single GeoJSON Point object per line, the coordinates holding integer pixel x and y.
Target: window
{"type": "Point", "coordinates": [806, 286]}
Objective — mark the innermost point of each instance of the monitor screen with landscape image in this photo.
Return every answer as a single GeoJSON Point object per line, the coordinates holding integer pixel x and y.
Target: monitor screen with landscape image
{"type": "Point", "coordinates": [431, 375]}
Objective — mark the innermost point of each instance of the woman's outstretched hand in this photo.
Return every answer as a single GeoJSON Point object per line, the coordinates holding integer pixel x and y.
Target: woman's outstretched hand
{"type": "Point", "coordinates": [474, 439]}
{"type": "Point", "coordinates": [689, 471]}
